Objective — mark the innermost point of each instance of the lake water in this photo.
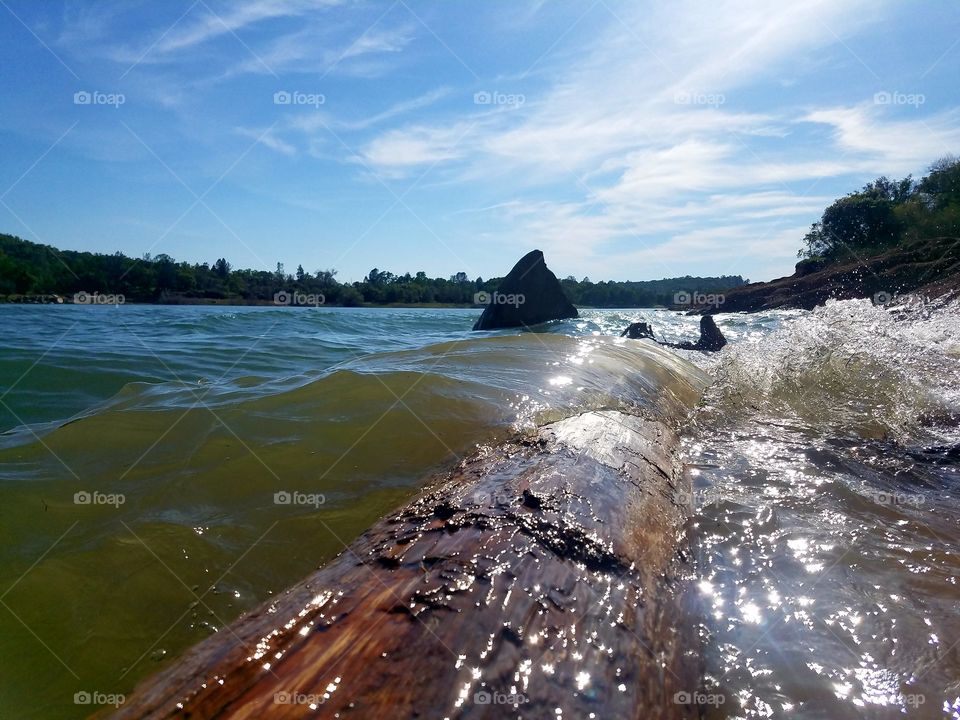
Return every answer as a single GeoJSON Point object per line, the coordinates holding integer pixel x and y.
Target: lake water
{"type": "Point", "coordinates": [163, 469]}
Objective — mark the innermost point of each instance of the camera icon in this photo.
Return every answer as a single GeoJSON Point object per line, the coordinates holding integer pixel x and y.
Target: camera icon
{"type": "Point", "coordinates": [82, 498]}
{"type": "Point", "coordinates": [681, 298]}
{"type": "Point", "coordinates": [82, 98]}
{"type": "Point", "coordinates": [482, 98]}
{"type": "Point", "coordinates": [282, 298]}
{"type": "Point", "coordinates": [282, 498]}
{"type": "Point", "coordinates": [482, 697]}
{"type": "Point", "coordinates": [682, 698]}
{"type": "Point", "coordinates": [82, 698]}
{"type": "Point", "coordinates": [282, 97]}
{"type": "Point", "coordinates": [81, 298]}
{"type": "Point", "coordinates": [283, 698]}
{"type": "Point", "coordinates": [882, 298]}
{"type": "Point", "coordinates": [882, 98]}
{"type": "Point", "coordinates": [681, 98]}
{"type": "Point", "coordinates": [481, 298]}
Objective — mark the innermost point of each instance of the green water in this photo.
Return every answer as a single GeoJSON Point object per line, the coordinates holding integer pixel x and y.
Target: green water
{"type": "Point", "coordinates": [196, 417]}
{"type": "Point", "coordinates": [824, 461]}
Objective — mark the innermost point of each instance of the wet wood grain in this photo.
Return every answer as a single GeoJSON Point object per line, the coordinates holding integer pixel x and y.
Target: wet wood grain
{"type": "Point", "coordinates": [541, 578]}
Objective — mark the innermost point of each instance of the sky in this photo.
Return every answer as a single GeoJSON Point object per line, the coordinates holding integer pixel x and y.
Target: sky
{"type": "Point", "coordinates": [627, 140]}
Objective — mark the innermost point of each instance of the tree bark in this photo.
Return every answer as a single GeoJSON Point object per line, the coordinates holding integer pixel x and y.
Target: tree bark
{"type": "Point", "coordinates": [541, 578]}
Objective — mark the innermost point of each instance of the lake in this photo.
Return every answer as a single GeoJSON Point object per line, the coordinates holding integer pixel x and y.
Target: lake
{"type": "Point", "coordinates": [163, 469]}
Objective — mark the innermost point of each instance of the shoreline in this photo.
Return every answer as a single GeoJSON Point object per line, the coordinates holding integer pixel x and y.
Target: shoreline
{"type": "Point", "coordinates": [62, 300]}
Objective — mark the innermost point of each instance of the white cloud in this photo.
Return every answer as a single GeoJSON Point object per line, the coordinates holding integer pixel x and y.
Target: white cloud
{"type": "Point", "coordinates": [214, 20]}
{"type": "Point", "coordinates": [268, 139]}
{"type": "Point", "coordinates": [621, 135]}
{"type": "Point", "coordinates": [396, 151]}
{"type": "Point", "coordinates": [892, 146]}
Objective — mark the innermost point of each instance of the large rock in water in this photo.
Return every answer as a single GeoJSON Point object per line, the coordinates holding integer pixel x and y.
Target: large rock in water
{"type": "Point", "coordinates": [530, 294]}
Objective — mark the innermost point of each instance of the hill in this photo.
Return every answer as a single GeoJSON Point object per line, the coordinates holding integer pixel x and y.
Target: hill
{"type": "Point", "coordinates": [889, 239]}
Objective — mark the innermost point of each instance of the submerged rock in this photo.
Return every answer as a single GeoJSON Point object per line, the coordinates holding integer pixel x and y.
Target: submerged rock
{"type": "Point", "coordinates": [530, 294]}
{"type": "Point", "coordinates": [711, 339]}
{"type": "Point", "coordinates": [638, 331]}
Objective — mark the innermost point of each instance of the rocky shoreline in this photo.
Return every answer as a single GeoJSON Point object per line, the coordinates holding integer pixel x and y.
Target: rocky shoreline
{"type": "Point", "coordinates": [928, 268]}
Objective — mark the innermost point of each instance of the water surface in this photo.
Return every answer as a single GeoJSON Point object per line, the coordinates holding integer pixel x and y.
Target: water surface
{"type": "Point", "coordinates": [822, 522]}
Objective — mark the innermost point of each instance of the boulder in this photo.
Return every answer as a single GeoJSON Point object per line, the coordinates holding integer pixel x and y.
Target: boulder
{"type": "Point", "coordinates": [530, 294]}
{"type": "Point", "coordinates": [638, 331]}
{"type": "Point", "coordinates": [711, 339]}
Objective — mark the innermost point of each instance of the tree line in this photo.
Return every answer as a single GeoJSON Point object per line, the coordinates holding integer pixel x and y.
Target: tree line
{"type": "Point", "coordinates": [885, 213]}
{"type": "Point", "coordinates": [29, 270]}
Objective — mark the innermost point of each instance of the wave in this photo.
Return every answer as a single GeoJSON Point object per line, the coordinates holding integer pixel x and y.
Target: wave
{"type": "Point", "coordinates": [852, 369]}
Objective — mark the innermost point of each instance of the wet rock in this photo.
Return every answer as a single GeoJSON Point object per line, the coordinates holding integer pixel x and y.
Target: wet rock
{"type": "Point", "coordinates": [711, 339]}
{"type": "Point", "coordinates": [928, 267]}
{"type": "Point", "coordinates": [637, 331]}
{"type": "Point", "coordinates": [530, 294]}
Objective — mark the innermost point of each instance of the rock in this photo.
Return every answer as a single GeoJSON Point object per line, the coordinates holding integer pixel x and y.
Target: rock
{"type": "Point", "coordinates": [928, 268]}
{"type": "Point", "coordinates": [711, 339]}
{"type": "Point", "coordinates": [530, 294]}
{"type": "Point", "coordinates": [637, 331]}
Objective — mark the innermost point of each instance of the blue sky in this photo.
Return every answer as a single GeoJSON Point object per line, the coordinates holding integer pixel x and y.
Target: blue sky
{"type": "Point", "coordinates": [631, 140]}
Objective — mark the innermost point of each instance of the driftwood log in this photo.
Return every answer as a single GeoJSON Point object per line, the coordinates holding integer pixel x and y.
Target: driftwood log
{"type": "Point", "coordinates": [540, 579]}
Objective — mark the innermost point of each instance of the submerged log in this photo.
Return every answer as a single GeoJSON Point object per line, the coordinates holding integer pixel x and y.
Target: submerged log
{"type": "Point", "coordinates": [542, 578]}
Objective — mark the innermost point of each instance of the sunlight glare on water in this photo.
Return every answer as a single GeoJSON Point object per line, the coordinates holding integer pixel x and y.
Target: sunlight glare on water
{"type": "Point", "coordinates": [825, 472]}
{"type": "Point", "coordinates": [823, 464]}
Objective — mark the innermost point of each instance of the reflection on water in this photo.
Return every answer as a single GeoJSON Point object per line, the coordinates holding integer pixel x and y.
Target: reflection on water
{"type": "Point", "coordinates": [826, 522]}
{"type": "Point", "coordinates": [199, 419]}
{"type": "Point", "coordinates": [823, 459]}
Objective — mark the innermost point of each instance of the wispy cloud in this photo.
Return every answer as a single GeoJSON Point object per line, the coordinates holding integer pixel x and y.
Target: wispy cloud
{"type": "Point", "coordinates": [891, 145]}
{"type": "Point", "coordinates": [625, 141]}
{"type": "Point", "coordinates": [268, 139]}
{"type": "Point", "coordinates": [216, 19]}
{"type": "Point", "coordinates": [651, 134]}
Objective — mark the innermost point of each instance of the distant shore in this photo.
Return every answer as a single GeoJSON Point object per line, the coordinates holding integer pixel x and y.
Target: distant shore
{"type": "Point", "coordinates": [222, 302]}
{"type": "Point", "coordinates": [239, 302]}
